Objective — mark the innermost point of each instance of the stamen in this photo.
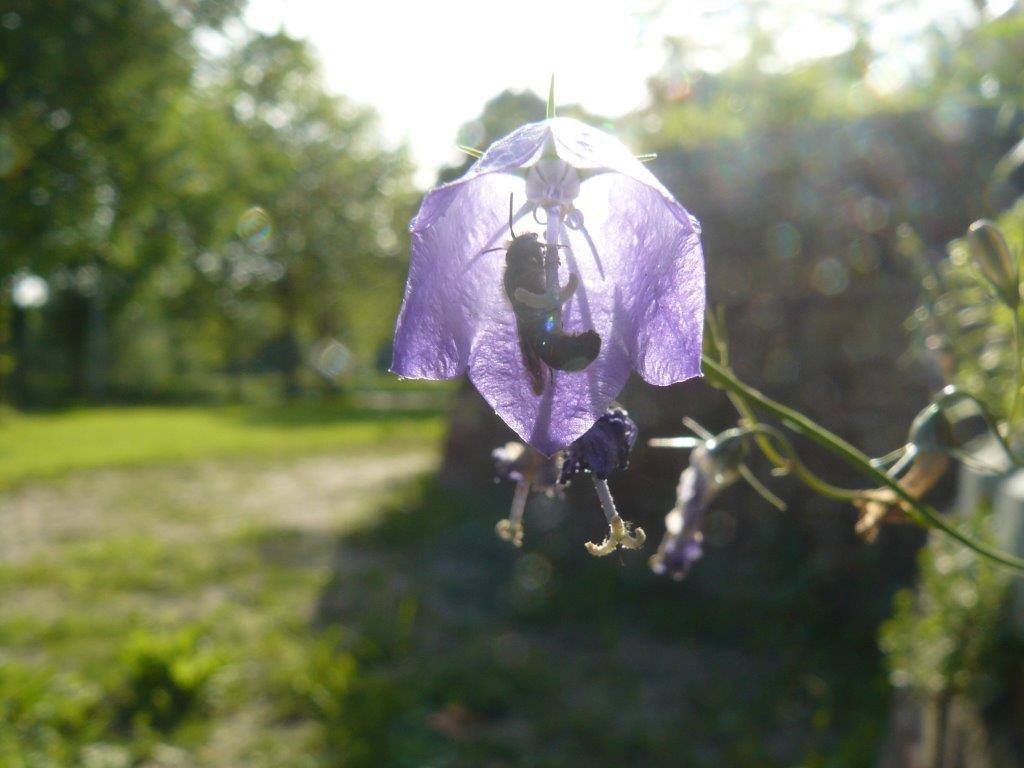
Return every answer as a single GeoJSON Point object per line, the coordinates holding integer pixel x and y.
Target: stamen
{"type": "Point", "coordinates": [511, 528]}
{"type": "Point", "coordinates": [619, 534]}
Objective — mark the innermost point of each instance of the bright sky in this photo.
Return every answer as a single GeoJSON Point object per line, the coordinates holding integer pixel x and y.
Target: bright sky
{"type": "Point", "coordinates": [428, 67]}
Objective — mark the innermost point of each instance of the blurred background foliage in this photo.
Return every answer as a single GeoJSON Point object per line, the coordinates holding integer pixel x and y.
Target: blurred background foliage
{"type": "Point", "coordinates": [215, 224]}
{"type": "Point", "coordinates": [199, 221]}
{"type": "Point", "coordinates": [207, 225]}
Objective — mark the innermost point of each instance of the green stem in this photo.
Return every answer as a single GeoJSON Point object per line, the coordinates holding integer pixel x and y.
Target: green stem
{"type": "Point", "coordinates": [1018, 379]}
{"type": "Point", "coordinates": [922, 513]}
{"type": "Point", "coordinates": [787, 459]}
{"type": "Point", "coordinates": [790, 463]}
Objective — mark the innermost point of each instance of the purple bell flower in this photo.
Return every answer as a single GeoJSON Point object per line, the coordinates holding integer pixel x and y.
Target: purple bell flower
{"type": "Point", "coordinates": [714, 466]}
{"type": "Point", "coordinates": [618, 281]}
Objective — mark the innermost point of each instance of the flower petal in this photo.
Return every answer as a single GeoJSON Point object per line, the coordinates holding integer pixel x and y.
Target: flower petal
{"type": "Point", "coordinates": [521, 147]}
{"type": "Point", "coordinates": [583, 146]}
{"type": "Point", "coordinates": [453, 287]}
{"type": "Point", "coordinates": [637, 257]}
{"type": "Point", "coordinates": [653, 275]}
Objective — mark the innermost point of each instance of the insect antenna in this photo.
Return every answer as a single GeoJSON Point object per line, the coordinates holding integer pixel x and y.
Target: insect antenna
{"type": "Point", "coordinates": [512, 231]}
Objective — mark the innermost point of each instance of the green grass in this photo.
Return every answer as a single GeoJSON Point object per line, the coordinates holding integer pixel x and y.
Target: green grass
{"type": "Point", "coordinates": [320, 612]}
{"type": "Point", "coordinates": [176, 627]}
{"type": "Point", "coordinates": [52, 444]}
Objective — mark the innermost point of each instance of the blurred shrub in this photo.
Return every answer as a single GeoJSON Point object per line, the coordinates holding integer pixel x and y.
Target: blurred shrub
{"type": "Point", "coordinates": [43, 716]}
{"type": "Point", "coordinates": [354, 708]}
{"type": "Point", "coordinates": [943, 636]}
{"type": "Point", "coordinates": [959, 326]}
{"type": "Point", "coordinates": [949, 642]}
{"type": "Point", "coordinates": [165, 678]}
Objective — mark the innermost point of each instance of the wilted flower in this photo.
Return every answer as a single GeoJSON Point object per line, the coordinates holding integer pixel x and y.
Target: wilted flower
{"type": "Point", "coordinates": [927, 454]}
{"type": "Point", "coordinates": [714, 466]}
{"type": "Point", "coordinates": [932, 445]}
{"type": "Point", "coordinates": [531, 471]}
{"type": "Point", "coordinates": [603, 449]}
{"type": "Point", "coordinates": [618, 267]}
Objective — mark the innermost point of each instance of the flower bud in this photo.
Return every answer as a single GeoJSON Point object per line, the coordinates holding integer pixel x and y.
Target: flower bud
{"type": "Point", "coordinates": [994, 260]}
{"type": "Point", "coordinates": [931, 431]}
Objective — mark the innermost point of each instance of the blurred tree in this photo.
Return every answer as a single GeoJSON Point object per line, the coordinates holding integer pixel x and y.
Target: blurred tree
{"type": "Point", "coordinates": [327, 205]}
{"type": "Point", "coordinates": [984, 63]}
{"type": "Point", "coordinates": [89, 96]}
{"type": "Point", "coordinates": [193, 215]}
{"type": "Point", "coordinates": [501, 115]}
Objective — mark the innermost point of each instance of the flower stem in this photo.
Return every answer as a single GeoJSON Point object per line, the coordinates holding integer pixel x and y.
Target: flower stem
{"type": "Point", "coordinates": [1018, 378]}
{"type": "Point", "coordinates": [519, 502]}
{"type": "Point", "coordinates": [923, 514]}
{"type": "Point", "coordinates": [605, 497]}
{"type": "Point", "coordinates": [790, 462]}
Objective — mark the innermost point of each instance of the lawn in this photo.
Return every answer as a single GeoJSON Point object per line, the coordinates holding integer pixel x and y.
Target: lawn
{"type": "Point", "coordinates": [157, 605]}
{"type": "Point", "coordinates": [295, 590]}
{"type": "Point", "coordinates": [51, 444]}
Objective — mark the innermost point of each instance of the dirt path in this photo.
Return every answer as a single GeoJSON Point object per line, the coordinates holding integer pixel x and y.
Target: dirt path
{"type": "Point", "coordinates": [326, 492]}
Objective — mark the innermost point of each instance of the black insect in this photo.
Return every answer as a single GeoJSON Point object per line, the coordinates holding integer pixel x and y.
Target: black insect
{"type": "Point", "coordinates": [539, 311]}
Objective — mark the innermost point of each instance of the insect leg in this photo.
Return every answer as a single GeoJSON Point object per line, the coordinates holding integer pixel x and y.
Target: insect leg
{"type": "Point", "coordinates": [535, 300]}
{"type": "Point", "coordinates": [543, 300]}
{"type": "Point", "coordinates": [532, 361]}
{"type": "Point", "coordinates": [570, 288]}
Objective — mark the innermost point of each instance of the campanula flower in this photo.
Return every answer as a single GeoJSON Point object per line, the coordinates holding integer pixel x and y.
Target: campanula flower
{"type": "Point", "coordinates": [603, 449]}
{"type": "Point", "coordinates": [606, 276]}
{"type": "Point", "coordinates": [925, 459]}
{"type": "Point", "coordinates": [714, 466]}
{"type": "Point", "coordinates": [931, 447]}
{"type": "Point", "coordinates": [530, 470]}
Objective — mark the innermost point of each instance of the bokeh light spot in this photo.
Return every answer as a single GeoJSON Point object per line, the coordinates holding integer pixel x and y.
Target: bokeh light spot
{"type": "Point", "coordinates": [330, 358]}
{"type": "Point", "coordinates": [830, 276]}
{"type": "Point", "coordinates": [871, 213]}
{"type": "Point", "coordinates": [783, 241]}
{"type": "Point", "coordinates": [255, 228]}
{"type": "Point", "coordinates": [29, 291]}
